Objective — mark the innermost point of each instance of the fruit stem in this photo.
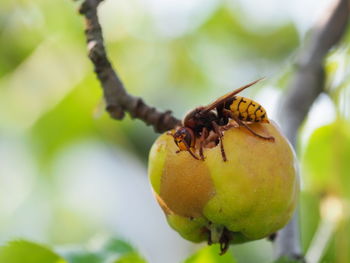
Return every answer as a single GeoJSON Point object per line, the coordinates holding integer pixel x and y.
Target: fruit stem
{"type": "Point", "coordinates": [216, 232]}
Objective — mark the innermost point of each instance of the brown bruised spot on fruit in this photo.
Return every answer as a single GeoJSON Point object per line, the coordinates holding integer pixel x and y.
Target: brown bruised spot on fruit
{"type": "Point", "coordinates": [186, 185]}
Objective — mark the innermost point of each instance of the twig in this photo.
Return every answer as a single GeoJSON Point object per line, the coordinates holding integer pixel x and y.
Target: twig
{"type": "Point", "coordinates": [117, 99]}
{"type": "Point", "coordinates": [308, 82]}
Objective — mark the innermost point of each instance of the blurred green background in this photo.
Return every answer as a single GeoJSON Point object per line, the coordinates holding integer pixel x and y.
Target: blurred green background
{"type": "Point", "coordinates": [75, 180]}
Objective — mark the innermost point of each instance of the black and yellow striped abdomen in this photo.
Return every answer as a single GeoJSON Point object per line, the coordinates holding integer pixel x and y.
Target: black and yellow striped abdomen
{"type": "Point", "coordinates": [247, 110]}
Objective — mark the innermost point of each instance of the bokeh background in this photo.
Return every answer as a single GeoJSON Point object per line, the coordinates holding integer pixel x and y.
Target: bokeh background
{"type": "Point", "coordinates": [72, 178]}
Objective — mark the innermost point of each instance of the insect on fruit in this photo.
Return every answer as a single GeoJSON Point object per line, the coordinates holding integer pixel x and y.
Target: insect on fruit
{"type": "Point", "coordinates": [216, 117]}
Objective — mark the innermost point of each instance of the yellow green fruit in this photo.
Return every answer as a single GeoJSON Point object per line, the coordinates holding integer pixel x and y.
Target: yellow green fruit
{"type": "Point", "coordinates": [251, 196]}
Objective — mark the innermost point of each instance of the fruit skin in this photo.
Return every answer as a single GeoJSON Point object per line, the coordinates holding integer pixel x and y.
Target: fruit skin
{"type": "Point", "coordinates": [252, 195]}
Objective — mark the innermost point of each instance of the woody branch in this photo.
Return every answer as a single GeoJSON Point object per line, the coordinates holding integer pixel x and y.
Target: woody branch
{"type": "Point", "coordinates": [118, 101]}
{"type": "Point", "coordinates": [307, 84]}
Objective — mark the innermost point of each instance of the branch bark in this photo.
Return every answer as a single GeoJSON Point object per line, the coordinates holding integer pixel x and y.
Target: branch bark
{"type": "Point", "coordinates": [117, 99]}
{"type": "Point", "coordinates": [307, 84]}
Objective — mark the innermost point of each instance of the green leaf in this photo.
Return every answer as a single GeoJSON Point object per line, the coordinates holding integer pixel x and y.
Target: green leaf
{"type": "Point", "coordinates": [114, 250]}
{"type": "Point", "coordinates": [326, 160]}
{"type": "Point", "coordinates": [309, 216]}
{"type": "Point", "coordinates": [132, 257]}
{"type": "Point", "coordinates": [83, 256]}
{"type": "Point", "coordinates": [28, 252]}
{"type": "Point", "coordinates": [263, 40]}
{"type": "Point", "coordinates": [210, 254]}
{"type": "Point", "coordinates": [123, 251]}
{"type": "Point", "coordinates": [70, 120]}
{"type": "Point", "coordinates": [118, 246]}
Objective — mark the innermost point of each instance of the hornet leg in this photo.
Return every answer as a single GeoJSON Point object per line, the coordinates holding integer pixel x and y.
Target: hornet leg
{"type": "Point", "coordinates": [269, 138]}
{"type": "Point", "coordinates": [204, 135]}
{"type": "Point", "coordinates": [241, 123]}
{"type": "Point", "coordinates": [190, 151]}
{"type": "Point", "coordinates": [219, 133]}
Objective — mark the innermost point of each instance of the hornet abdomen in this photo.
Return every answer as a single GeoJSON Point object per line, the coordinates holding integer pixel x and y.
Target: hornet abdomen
{"type": "Point", "coordinates": [247, 110]}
